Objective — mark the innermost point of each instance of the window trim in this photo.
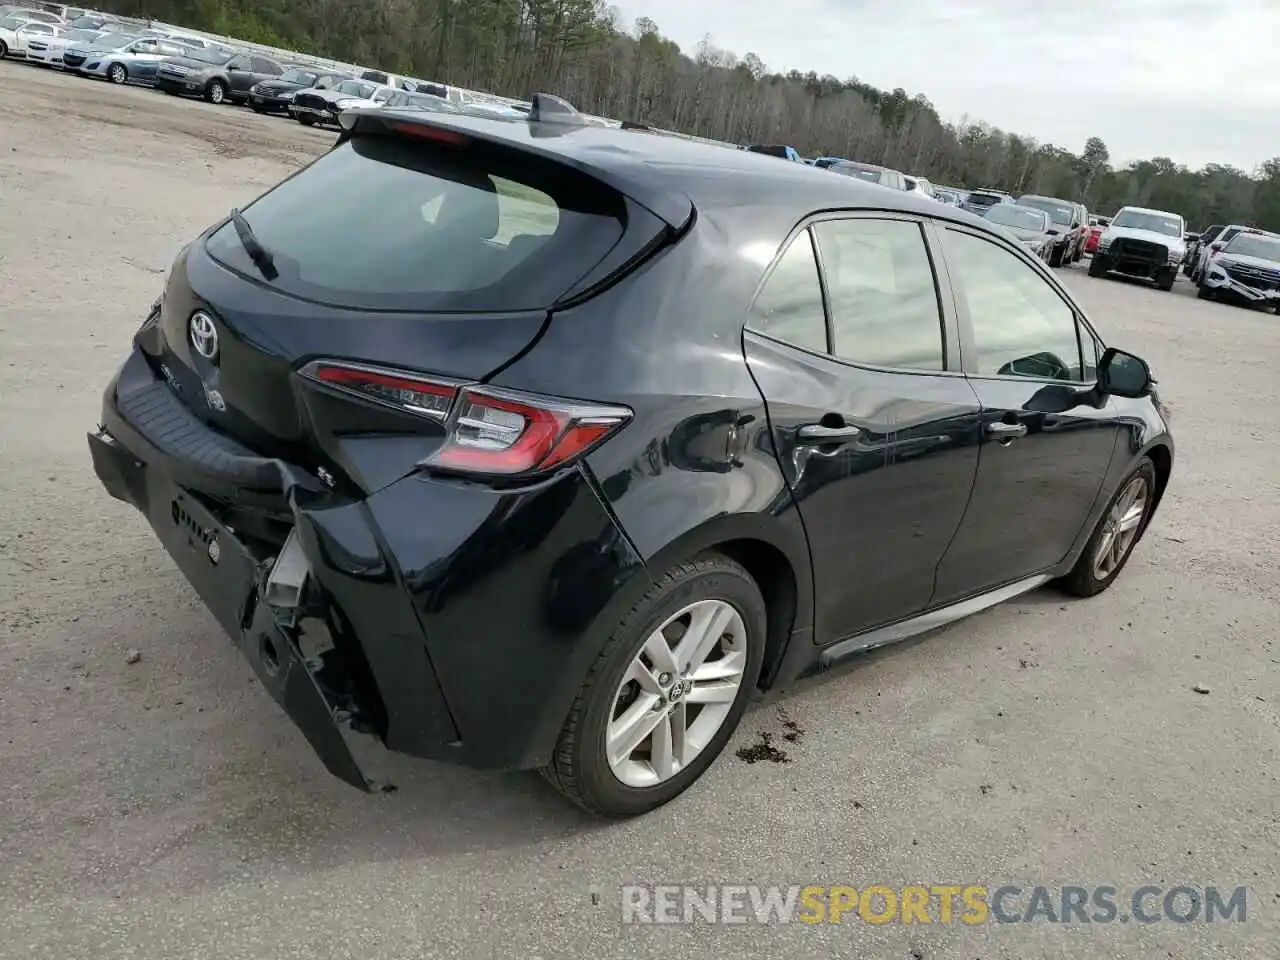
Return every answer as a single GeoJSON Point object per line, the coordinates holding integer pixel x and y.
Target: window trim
{"type": "Point", "coordinates": [969, 346]}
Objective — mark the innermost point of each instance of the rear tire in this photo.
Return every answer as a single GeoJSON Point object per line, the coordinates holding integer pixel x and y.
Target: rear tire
{"type": "Point", "coordinates": [1106, 553]}
{"type": "Point", "coordinates": [581, 768]}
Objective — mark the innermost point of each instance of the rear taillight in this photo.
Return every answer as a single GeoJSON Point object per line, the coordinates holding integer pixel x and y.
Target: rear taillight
{"type": "Point", "coordinates": [407, 392]}
{"type": "Point", "coordinates": [489, 430]}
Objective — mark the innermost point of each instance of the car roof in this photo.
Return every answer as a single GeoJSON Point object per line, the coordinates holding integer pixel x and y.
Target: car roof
{"type": "Point", "coordinates": [667, 174]}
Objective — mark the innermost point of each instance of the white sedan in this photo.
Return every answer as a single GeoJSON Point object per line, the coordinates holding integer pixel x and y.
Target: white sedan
{"type": "Point", "coordinates": [47, 50]}
{"type": "Point", "coordinates": [10, 43]}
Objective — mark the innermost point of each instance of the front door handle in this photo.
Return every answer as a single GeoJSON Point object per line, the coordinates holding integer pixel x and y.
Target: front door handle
{"type": "Point", "coordinates": [819, 433]}
{"type": "Point", "coordinates": [1006, 431]}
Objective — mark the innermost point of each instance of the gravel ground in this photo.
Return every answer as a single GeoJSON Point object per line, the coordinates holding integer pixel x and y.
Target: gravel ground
{"type": "Point", "coordinates": [164, 808]}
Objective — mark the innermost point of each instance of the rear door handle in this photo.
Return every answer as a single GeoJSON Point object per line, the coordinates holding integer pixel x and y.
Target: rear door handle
{"type": "Point", "coordinates": [1007, 431]}
{"type": "Point", "coordinates": [818, 433]}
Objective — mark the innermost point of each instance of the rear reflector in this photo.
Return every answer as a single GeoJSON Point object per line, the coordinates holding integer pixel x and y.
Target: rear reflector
{"type": "Point", "coordinates": [489, 430]}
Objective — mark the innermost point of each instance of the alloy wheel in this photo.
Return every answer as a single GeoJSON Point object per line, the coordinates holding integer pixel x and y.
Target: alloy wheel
{"type": "Point", "coordinates": [676, 693]}
{"type": "Point", "coordinates": [1121, 528]}
{"type": "Point", "coordinates": [118, 74]}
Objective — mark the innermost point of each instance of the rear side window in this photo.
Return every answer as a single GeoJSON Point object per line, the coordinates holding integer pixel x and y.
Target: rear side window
{"type": "Point", "coordinates": [407, 224]}
{"type": "Point", "coordinates": [789, 306]}
{"type": "Point", "coordinates": [884, 303]}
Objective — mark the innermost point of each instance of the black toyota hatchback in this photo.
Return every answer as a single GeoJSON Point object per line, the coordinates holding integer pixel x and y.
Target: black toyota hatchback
{"type": "Point", "coordinates": [539, 444]}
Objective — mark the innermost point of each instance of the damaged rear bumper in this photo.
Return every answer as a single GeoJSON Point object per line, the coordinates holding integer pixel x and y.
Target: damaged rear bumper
{"type": "Point", "coordinates": [419, 619]}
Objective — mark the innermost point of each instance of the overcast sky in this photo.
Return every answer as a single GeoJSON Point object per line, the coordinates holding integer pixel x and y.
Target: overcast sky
{"type": "Point", "coordinates": [1194, 80]}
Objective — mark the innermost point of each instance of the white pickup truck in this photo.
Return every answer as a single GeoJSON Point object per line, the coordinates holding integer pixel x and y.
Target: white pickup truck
{"type": "Point", "coordinates": [1142, 243]}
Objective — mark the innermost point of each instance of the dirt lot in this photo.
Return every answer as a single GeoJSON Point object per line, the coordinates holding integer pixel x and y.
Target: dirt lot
{"type": "Point", "coordinates": [165, 809]}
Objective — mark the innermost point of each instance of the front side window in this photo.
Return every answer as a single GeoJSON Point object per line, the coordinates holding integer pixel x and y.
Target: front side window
{"type": "Point", "coordinates": [789, 306]}
{"type": "Point", "coordinates": [1021, 326]}
{"type": "Point", "coordinates": [884, 302]}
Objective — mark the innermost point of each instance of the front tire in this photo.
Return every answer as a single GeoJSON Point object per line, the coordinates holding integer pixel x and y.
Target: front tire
{"type": "Point", "coordinates": [117, 73]}
{"type": "Point", "coordinates": [1165, 283]}
{"type": "Point", "coordinates": [666, 692]}
{"type": "Point", "coordinates": [1097, 267]}
{"type": "Point", "coordinates": [4, 50]}
{"type": "Point", "coordinates": [1118, 531]}
{"type": "Point", "coordinates": [1056, 257]}
{"type": "Point", "coordinates": [1205, 292]}
{"type": "Point", "coordinates": [216, 92]}
{"type": "Point", "coordinates": [306, 120]}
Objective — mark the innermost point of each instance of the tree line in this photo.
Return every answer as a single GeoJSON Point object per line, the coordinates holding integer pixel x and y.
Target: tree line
{"type": "Point", "coordinates": [578, 49]}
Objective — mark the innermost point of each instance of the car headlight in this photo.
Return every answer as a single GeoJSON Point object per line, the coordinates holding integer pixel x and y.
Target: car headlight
{"type": "Point", "coordinates": [285, 94]}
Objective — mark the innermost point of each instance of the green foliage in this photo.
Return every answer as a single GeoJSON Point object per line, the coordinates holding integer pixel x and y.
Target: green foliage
{"type": "Point", "coordinates": [576, 49]}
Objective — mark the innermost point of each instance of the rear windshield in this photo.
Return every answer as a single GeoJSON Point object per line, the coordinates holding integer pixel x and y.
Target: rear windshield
{"type": "Point", "coordinates": [410, 225]}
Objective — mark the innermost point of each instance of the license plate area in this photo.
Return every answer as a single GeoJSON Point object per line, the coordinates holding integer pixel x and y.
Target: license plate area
{"type": "Point", "coordinates": [218, 566]}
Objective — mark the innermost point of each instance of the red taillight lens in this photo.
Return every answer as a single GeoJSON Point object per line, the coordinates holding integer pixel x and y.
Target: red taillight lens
{"type": "Point", "coordinates": [412, 394]}
{"type": "Point", "coordinates": [489, 430]}
{"type": "Point", "coordinates": [502, 432]}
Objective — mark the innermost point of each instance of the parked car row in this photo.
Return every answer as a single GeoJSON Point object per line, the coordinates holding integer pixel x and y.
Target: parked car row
{"type": "Point", "coordinates": [94, 45]}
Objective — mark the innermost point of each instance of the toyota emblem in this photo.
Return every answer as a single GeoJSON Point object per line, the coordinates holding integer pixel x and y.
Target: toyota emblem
{"type": "Point", "coordinates": [204, 335]}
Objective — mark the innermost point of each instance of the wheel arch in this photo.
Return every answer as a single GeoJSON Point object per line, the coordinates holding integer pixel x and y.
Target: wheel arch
{"type": "Point", "coordinates": [776, 559]}
{"type": "Point", "coordinates": [1161, 454]}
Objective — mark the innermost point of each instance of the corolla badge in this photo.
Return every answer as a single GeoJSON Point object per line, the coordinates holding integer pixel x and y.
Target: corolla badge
{"type": "Point", "coordinates": [204, 335]}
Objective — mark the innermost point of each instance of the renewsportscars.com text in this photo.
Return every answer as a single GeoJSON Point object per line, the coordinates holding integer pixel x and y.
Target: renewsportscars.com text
{"type": "Point", "coordinates": [970, 904]}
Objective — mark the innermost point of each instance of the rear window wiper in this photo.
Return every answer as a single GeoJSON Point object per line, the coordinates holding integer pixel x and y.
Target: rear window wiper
{"type": "Point", "coordinates": [260, 255]}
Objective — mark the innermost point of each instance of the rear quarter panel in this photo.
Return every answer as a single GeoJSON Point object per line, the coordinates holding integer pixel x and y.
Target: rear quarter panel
{"type": "Point", "coordinates": [696, 467]}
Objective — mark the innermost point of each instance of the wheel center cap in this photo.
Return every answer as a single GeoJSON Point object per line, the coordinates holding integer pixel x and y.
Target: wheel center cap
{"type": "Point", "coordinates": [677, 691]}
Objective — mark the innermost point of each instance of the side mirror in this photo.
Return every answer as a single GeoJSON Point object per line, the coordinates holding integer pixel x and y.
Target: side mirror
{"type": "Point", "coordinates": [1122, 374]}
{"type": "Point", "coordinates": [233, 66]}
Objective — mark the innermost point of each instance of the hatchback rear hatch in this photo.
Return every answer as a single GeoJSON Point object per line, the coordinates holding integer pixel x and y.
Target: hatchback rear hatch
{"type": "Point", "coordinates": [406, 251]}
